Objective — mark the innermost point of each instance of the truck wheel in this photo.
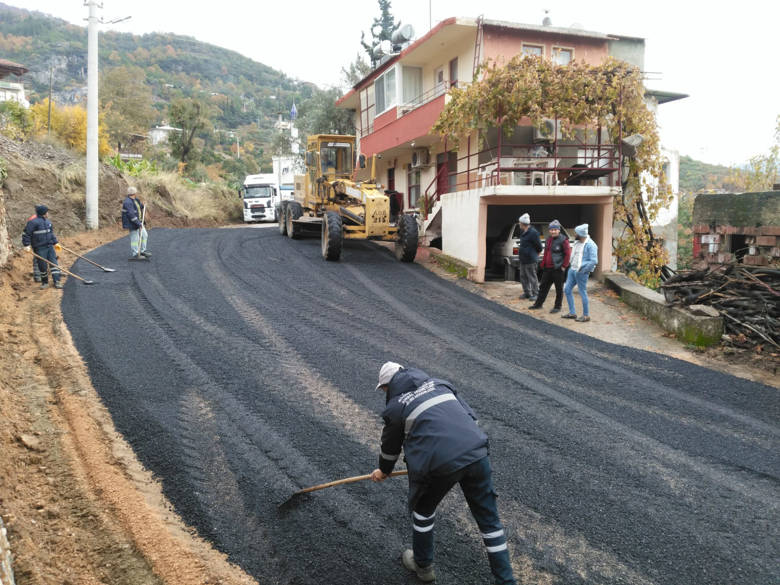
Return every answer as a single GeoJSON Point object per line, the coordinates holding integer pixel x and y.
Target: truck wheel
{"type": "Point", "coordinates": [332, 236]}
{"type": "Point", "coordinates": [294, 211]}
{"type": "Point", "coordinates": [281, 216]}
{"type": "Point", "coordinates": [406, 244]}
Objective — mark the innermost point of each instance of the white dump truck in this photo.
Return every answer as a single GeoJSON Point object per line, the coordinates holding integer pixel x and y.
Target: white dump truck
{"type": "Point", "coordinates": [260, 195]}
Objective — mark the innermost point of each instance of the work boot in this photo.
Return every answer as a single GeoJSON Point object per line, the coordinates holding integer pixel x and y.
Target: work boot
{"type": "Point", "coordinates": [424, 574]}
{"type": "Point", "coordinates": [37, 278]}
{"type": "Point", "coordinates": [147, 254]}
{"type": "Point", "coordinates": [58, 284]}
{"type": "Point", "coordinates": [535, 306]}
{"type": "Point", "coordinates": [44, 285]}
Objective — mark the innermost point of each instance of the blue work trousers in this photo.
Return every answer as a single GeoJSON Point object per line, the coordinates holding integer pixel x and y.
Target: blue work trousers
{"type": "Point", "coordinates": [476, 482]}
{"type": "Point", "coordinates": [44, 268]}
{"type": "Point", "coordinates": [580, 279]}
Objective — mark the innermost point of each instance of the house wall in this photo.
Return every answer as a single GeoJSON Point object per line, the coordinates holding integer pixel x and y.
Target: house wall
{"type": "Point", "coordinates": [503, 44]}
{"type": "Point", "coordinates": [463, 227]}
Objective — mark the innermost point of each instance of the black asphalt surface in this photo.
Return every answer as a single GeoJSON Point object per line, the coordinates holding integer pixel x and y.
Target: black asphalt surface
{"type": "Point", "coordinates": [241, 367]}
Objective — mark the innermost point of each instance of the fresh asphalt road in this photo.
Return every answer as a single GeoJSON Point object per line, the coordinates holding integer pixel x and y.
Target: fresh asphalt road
{"type": "Point", "coordinates": [241, 367]}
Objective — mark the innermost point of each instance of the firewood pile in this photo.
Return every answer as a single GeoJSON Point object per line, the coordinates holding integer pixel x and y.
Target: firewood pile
{"type": "Point", "coordinates": [747, 297]}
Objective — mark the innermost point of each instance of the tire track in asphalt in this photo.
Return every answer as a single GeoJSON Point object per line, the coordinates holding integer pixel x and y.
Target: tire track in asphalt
{"type": "Point", "coordinates": [531, 379]}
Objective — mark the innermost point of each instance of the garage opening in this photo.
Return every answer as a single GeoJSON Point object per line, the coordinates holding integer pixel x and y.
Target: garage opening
{"type": "Point", "coordinates": [502, 218]}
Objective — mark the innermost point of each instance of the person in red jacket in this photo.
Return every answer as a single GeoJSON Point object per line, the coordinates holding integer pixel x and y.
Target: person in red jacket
{"type": "Point", "coordinates": [555, 262]}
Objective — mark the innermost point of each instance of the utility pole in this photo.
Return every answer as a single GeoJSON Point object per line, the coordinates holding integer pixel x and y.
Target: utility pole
{"type": "Point", "coordinates": [92, 112]}
{"type": "Point", "coordinates": [51, 81]}
{"type": "Point", "coordinates": [92, 117]}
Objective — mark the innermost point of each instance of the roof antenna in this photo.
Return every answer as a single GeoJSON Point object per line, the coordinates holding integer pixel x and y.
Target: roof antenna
{"type": "Point", "coordinates": [547, 21]}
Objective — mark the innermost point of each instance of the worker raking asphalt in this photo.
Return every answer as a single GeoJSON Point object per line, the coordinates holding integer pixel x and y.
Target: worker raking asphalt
{"type": "Point", "coordinates": [242, 368]}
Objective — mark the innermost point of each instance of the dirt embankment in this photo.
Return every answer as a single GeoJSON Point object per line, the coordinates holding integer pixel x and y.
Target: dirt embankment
{"type": "Point", "coordinates": [78, 506]}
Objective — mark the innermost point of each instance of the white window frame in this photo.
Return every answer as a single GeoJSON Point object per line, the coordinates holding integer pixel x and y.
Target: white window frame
{"type": "Point", "coordinates": [534, 45]}
{"type": "Point", "coordinates": [556, 51]}
{"type": "Point", "coordinates": [382, 78]}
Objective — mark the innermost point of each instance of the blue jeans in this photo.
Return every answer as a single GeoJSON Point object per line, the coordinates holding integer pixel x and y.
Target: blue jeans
{"type": "Point", "coordinates": [477, 485]}
{"type": "Point", "coordinates": [581, 280]}
{"type": "Point", "coordinates": [44, 268]}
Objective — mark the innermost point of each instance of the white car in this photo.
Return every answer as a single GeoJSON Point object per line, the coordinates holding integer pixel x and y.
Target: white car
{"type": "Point", "coordinates": [504, 255]}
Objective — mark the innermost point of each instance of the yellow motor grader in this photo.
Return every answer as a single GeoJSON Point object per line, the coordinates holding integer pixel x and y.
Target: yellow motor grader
{"type": "Point", "coordinates": [328, 200]}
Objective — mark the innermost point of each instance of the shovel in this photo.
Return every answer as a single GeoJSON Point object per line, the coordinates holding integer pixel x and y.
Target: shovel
{"type": "Point", "coordinates": [103, 268]}
{"type": "Point", "coordinates": [322, 486]}
{"type": "Point", "coordinates": [61, 269]}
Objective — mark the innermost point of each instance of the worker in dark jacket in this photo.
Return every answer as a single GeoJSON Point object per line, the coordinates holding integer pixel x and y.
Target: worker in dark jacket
{"type": "Point", "coordinates": [38, 237]}
{"type": "Point", "coordinates": [36, 270]}
{"type": "Point", "coordinates": [443, 445]}
{"type": "Point", "coordinates": [133, 220]}
{"type": "Point", "coordinates": [555, 261]}
{"type": "Point", "coordinates": [528, 256]}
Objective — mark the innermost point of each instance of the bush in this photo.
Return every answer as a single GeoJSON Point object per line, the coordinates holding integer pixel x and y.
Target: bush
{"type": "Point", "coordinates": [15, 121]}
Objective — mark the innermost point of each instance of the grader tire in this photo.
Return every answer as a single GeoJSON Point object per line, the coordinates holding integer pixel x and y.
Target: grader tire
{"type": "Point", "coordinates": [406, 244]}
{"type": "Point", "coordinates": [282, 217]}
{"type": "Point", "coordinates": [332, 236]}
{"type": "Point", "coordinates": [294, 211]}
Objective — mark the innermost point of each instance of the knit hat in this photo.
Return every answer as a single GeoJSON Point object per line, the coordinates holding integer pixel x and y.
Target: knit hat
{"type": "Point", "coordinates": [132, 190]}
{"type": "Point", "coordinates": [41, 210]}
{"type": "Point", "coordinates": [554, 225]}
{"type": "Point", "coordinates": [525, 219]}
{"type": "Point", "coordinates": [386, 373]}
{"type": "Point", "coordinates": [581, 230]}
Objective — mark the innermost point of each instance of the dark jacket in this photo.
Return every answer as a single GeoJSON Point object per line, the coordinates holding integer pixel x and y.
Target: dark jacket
{"type": "Point", "coordinates": [437, 430]}
{"type": "Point", "coordinates": [38, 233]}
{"type": "Point", "coordinates": [557, 252]}
{"type": "Point", "coordinates": [530, 246]}
{"type": "Point", "coordinates": [130, 213]}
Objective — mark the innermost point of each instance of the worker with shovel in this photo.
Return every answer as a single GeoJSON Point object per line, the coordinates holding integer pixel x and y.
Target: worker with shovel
{"type": "Point", "coordinates": [133, 214]}
{"type": "Point", "coordinates": [443, 445]}
{"type": "Point", "coordinates": [38, 237]}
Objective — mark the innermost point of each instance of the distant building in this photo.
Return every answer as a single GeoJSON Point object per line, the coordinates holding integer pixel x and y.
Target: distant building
{"type": "Point", "coordinates": [11, 91]}
{"type": "Point", "coordinates": [160, 134]}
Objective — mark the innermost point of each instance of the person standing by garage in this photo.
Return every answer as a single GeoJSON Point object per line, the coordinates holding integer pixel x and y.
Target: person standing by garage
{"type": "Point", "coordinates": [528, 256]}
{"type": "Point", "coordinates": [584, 258]}
{"type": "Point", "coordinates": [555, 261]}
{"type": "Point", "coordinates": [442, 445]}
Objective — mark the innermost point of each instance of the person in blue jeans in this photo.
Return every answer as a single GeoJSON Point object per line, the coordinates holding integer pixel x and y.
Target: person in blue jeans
{"type": "Point", "coordinates": [584, 258]}
{"type": "Point", "coordinates": [443, 446]}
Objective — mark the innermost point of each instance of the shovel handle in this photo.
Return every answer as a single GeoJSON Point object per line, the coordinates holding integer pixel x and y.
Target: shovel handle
{"type": "Point", "coordinates": [68, 272]}
{"type": "Point", "coordinates": [322, 486]}
{"type": "Point", "coordinates": [87, 259]}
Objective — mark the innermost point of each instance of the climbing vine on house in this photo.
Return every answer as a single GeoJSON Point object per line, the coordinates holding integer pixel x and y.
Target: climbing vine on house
{"type": "Point", "coordinates": [610, 95]}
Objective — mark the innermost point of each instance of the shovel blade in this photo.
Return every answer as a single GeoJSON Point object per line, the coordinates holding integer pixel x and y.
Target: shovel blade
{"type": "Point", "coordinates": [108, 270]}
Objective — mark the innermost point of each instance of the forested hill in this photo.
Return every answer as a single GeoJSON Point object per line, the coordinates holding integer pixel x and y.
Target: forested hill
{"type": "Point", "coordinates": [171, 66]}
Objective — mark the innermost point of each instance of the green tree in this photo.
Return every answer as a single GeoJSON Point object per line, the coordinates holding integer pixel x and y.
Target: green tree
{"type": "Point", "coordinates": [15, 121]}
{"type": "Point", "coordinates": [192, 117]}
{"type": "Point", "coordinates": [356, 70]}
{"type": "Point", "coordinates": [126, 102]}
{"type": "Point", "coordinates": [319, 115]}
{"type": "Point", "coordinates": [762, 172]}
{"type": "Point", "coordinates": [381, 30]}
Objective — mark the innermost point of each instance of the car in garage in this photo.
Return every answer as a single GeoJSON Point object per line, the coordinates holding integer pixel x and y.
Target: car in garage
{"type": "Point", "coordinates": [504, 254]}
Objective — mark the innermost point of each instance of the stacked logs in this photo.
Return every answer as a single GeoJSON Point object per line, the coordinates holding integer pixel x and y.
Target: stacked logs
{"type": "Point", "coordinates": [747, 297]}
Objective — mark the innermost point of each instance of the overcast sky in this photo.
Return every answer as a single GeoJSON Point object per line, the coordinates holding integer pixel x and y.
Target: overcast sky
{"type": "Point", "coordinates": [724, 55]}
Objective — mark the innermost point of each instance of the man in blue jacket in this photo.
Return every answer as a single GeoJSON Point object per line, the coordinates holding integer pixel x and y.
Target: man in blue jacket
{"type": "Point", "coordinates": [443, 445]}
{"type": "Point", "coordinates": [132, 219]}
{"type": "Point", "coordinates": [38, 237]}
{"type": "Point", "coordinates": [584, 258]}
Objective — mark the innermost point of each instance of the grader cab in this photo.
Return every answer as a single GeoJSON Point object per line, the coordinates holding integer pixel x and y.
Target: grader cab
{"type": "Point", "coordinates": [328, 199]}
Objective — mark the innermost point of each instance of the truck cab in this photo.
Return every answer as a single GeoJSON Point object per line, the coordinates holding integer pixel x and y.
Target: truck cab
{"type": "Point", "coordinates": [260, 195]}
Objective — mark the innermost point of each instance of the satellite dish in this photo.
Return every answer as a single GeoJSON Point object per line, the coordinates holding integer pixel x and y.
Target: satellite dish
{"type": "Point", "coordinates": [403, 35]}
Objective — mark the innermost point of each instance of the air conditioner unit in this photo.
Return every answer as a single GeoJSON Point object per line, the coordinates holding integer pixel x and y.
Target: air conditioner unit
{"type": "Point", "coordinates": [420, 158]}
{"type": "Point", "coordinates": [548, 132]}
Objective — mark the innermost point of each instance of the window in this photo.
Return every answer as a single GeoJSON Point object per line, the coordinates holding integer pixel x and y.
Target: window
{"type": "Point", "coordinates": [412, 84]}
{"type": "Point", "coordinates": [336, 157]}
{"type": "Point", "coordinates": [438, 81]}
{"type": "Point", "coordinates": [562, 56]}
{"type": "Point", "coordinates": [454, 72]}
{"type": "Point", "coordinates": [384, 88]}
{"type": "Point", "coordinates": [536, 50]}
{"type": "Point", "coordinates": [413, 186]}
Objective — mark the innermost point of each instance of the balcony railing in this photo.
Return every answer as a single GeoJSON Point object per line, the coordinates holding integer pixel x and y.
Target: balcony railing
{"type": "Point", "coordinates": [527, 166]}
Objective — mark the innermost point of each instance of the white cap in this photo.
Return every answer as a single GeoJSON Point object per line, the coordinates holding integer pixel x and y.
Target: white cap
{"type": "Point", "coordinates": [132, 190]}
{"type": "Point", "coordinates": [525, 218]}
{"type": "Point", "coordinates": [386, 373]}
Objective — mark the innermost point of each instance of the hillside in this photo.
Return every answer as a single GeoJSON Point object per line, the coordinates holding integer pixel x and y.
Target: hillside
{"type": "Point", "coordinates": [697, 176]}
{"type": "Point", "coordinates": [174, 66]}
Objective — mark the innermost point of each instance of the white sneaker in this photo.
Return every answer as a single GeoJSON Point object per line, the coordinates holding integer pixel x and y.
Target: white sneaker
{"type": "Point", "coordinates": [424, 574]}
